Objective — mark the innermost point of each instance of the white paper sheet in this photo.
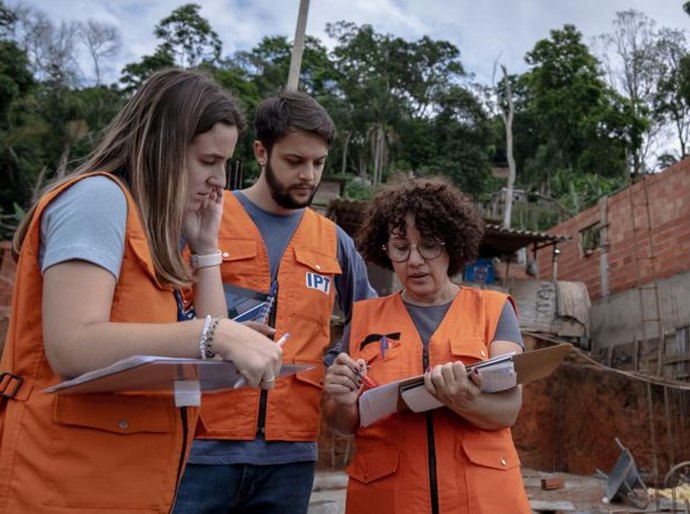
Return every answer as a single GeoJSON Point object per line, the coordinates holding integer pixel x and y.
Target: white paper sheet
{"type": "Point", "coordinates": [377, 403]}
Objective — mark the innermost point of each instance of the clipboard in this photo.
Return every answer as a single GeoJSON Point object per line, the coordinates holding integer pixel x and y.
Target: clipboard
{"type": "Point", "coordinates": [410, 393]}
{"type": "Point", "coordinates": [160, 374]}
{"type": "Point", "coordinates": [247, 304]}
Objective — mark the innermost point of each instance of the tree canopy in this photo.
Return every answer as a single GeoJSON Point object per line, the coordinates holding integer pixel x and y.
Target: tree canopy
{"type": "Point", "coordinates": [582, 119]}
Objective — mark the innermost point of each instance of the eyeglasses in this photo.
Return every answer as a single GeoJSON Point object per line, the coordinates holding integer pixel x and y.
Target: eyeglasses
{"type": "Point", "coordinates": [399, 251]}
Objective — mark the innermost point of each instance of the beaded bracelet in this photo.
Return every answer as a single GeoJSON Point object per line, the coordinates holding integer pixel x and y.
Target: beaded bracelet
{"type": "Point", "coordinates": [206, 342]}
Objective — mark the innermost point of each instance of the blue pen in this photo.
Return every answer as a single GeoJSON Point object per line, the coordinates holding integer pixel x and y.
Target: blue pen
{"type": "Point", "coordinates": [384, 345]}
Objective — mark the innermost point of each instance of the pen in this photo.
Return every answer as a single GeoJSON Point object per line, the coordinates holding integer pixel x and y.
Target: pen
{"type": "Point", "coordinates": [284, 338]}
{"type": "Point", "coordinates": [364, 378]}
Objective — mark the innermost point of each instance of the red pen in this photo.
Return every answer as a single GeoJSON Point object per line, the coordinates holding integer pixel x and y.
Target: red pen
{"type": "Point", "coordinates": [364, 378]}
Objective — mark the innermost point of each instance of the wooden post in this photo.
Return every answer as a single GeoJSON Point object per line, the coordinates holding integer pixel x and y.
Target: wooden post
{"type": "Point", "coordinates": [298, 46]}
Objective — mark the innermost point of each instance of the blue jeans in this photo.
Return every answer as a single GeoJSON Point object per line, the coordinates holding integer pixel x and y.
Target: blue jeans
{"type": "Point", "coordinates": [245, 489]}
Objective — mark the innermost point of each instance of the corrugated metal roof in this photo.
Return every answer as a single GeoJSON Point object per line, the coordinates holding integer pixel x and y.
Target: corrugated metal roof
{"type": "Point", "coordinates": [506, 241]}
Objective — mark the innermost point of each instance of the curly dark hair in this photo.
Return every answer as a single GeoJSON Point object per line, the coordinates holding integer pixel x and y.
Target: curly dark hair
{"type": "Point", "coordinates": [440, 211]}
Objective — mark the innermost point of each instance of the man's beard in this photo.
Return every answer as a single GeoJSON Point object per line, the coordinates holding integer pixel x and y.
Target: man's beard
{"type": "Point", "coordinates": [281, 194]}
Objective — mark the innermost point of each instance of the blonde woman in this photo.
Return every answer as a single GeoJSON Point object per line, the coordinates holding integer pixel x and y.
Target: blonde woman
{"type": "Point", "coordinates": [100, 269]}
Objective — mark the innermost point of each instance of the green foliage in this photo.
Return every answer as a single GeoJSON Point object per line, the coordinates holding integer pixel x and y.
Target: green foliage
{"type": "Point", "coordinates": [418, 117]}
{"type": "Point", "coordinates": [569, 121]}
{"type": "Point", "coordinates": [187, 40]}
{"type": "Point", "coordinates": [188, 36]}
{"type": "Point", "coordinates": [399, 106]}
{"type": "Point", "coordinates": [134, 74]}
{"type": "Point", "coordinates": [584, 190]}
{"type": "Point", "coordinates": [358, 189]}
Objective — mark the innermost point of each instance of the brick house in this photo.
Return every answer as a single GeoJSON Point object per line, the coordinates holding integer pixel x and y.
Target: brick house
{"type": "Point", "coordinates": [631, 250]}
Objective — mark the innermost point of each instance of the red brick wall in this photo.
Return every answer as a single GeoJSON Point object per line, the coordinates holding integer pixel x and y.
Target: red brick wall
{"type": "Point", "coordinates": [669, 203]}
{"type": "Point", "coordinates": [7, 269]}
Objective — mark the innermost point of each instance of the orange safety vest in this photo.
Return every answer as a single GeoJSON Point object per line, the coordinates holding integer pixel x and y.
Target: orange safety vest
{"type": "Point", "coordinates": [86, 453]}
{"type": "Point", "coordinates": [406, 458]}
{"type": "Point", "coordinates": [306, 293]}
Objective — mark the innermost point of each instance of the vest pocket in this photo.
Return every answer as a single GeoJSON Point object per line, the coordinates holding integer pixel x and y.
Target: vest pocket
{"type": "Point", "coordinates": [488, 461]}
{"type": "Point", "coordinates": [237, 249]}
{"type": "Point", "coordinates": [313, 291]}
{"type": "Point", "coordinates": [313, 376]}
{"type": "Point", "coordinates": [491, 452]}
{"type": "Point", "coordinates": [469, 349]}
{"type": "Point", "coordinates": [111, 451]}
{"type": "Point", "coordinates": [303, 395]}
{"type": "Point", "coordinates": [373, 464]}
{"type": "Point", "coordinates": [317, 261]}
{"type": "Point", "coordinates": [374, 486]}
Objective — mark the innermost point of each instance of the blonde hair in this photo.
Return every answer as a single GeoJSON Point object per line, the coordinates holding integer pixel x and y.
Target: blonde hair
{"type": "Point", "coordinates": [145, 147]}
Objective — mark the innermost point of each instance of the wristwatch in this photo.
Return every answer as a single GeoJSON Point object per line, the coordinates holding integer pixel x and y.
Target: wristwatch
{"type": "Point", "coordinates": [205, 261]}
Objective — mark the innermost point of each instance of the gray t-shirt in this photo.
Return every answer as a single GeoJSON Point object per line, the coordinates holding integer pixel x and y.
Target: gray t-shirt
{"type": "Point", "coordinates": [85, 222]}
{"type": "Point", "coordinates": [427, 318]}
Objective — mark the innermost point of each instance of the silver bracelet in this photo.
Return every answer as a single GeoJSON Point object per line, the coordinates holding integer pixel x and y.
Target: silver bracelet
{"type": "Point", "coordinates": [206, 342]}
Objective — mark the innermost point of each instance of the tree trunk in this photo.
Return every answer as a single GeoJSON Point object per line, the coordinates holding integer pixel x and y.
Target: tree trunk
{"type": "Point", "coordinates": [346, 145]}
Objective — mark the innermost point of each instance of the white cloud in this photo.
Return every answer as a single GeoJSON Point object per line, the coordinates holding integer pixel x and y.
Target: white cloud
{"type": "Point", "coordinates": [482, 30]}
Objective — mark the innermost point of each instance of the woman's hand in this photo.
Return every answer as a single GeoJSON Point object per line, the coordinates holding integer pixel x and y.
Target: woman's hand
{"type": "Point", "coordinates": [257, 358]}
{"type": "Point", "coordinates": [261, 328]}
{"type": "Point", "coordinates": [200, 227]}
{"type": "Point", "coordinates": [453, 385]}
{"type": "Point", "coordinates": [460, 391]}
{"type": "Point", "coordinates": [342, 383]}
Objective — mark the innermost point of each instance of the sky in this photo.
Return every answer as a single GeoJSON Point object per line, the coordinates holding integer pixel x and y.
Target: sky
{"type": "Point", "coordinates": [485, 31]}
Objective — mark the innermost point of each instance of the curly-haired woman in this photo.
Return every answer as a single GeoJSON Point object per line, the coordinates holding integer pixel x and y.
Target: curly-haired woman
{"type": "Point", "coordinates": [459, 458]}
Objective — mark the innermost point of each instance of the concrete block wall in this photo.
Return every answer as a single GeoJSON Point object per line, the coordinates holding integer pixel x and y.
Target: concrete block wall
{"type": "Point", "coordinates": [669, 207]}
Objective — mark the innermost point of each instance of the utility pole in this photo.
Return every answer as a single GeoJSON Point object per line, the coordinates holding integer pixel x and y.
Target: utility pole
{"type": "Point", "coordinates": [508, 121]}
{"type": "Point", "coordinates": [298, 46]}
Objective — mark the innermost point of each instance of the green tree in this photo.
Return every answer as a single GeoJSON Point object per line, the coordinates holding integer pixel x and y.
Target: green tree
{"type": "Point", "coordinates": [460, 134]}
{"type": "Point", "coordinates": [634, 70]}
{"type": "Point", "coordinates": [399, 103]}
{"type": "Point", "coordinates": [188, 36]}
{"type": "Point", "coordinates": [16, 81]}
{"type": "Point", "coordinates": [187, 40]}
{"type": "Point", "coordinates": [569, 122]}
{"type": "Point", "coordinates": [671, 106]}
{"type": "Point", "coordinates": [267, 65]}
{"type": "Point", "coordinates": [134, 74]}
